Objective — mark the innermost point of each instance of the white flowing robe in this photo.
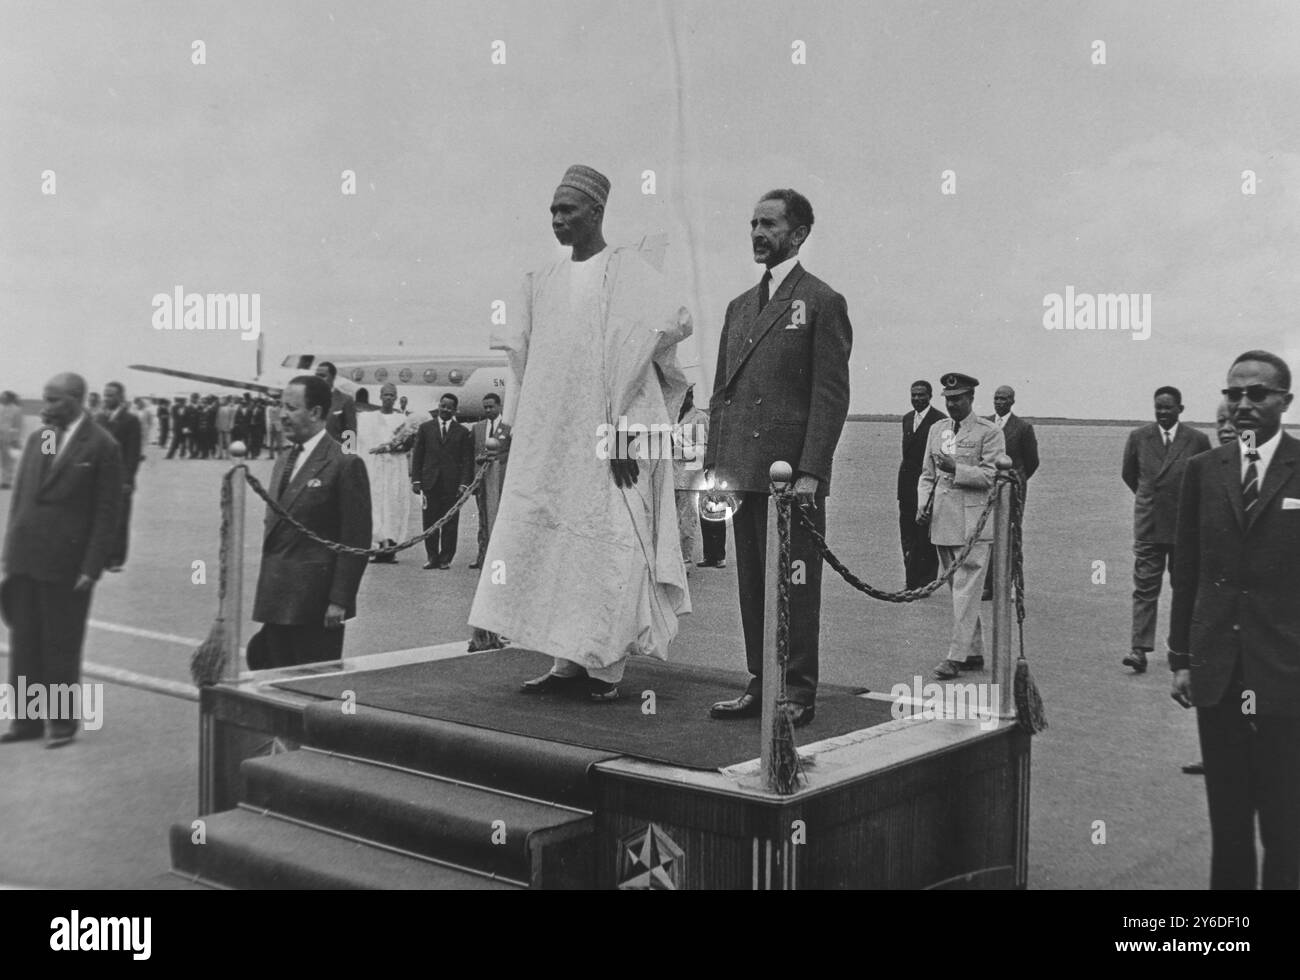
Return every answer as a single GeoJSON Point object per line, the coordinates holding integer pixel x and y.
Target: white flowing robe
{"type": "Point", "coordinates": [576, 567]}
{"type": "Point", "coordinates": [390, 481]}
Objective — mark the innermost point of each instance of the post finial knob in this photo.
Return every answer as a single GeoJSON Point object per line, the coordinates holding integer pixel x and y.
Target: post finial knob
{"type": "Point", "coordinates": [238, 450]}
{"type": "Point", "coordinates": [780, 473]}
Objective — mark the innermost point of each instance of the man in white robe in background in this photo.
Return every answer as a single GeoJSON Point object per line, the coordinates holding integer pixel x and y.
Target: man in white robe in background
{"type": "Point", "coordinates": [584, 562]}
{"type": "Point", "coordinates": [390, 480]}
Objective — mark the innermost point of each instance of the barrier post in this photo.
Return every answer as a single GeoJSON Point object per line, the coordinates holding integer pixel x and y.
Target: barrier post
{"type": "Point", "coordinates": [780, 475]}
{"type": "Point", "coordinates": [1003, 666]}
{"type": "Point", "coordinates": [232, 560]}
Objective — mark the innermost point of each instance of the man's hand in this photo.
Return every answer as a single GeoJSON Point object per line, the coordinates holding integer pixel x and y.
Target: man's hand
{"type": "Point", "coordinates": [1182, 689]}
{"type": "Point", "coordinates": [922, 518]}
{"type": "Point", "coordinates": [805, 490]}
{"type": "Point", "coordinates": [415, 486]}
{"type": "Point", "coordinates": [462, 488]}
{"type": "Point", "coordinates": [625, 472]}
{"type": "Point", "coordinates": [84, 584]}
{"type": "Point", "coordinates": [334, 616]}
{"type": "Point", "coordinates": [945, 463]}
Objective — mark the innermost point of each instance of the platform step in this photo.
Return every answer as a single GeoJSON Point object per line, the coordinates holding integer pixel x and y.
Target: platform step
{"type": "Point", "coordinates": [244, 849]}
{"type": "Point", "coordinates": [532, 767]}
{"type": "Point", "coordinates": [497, 833]}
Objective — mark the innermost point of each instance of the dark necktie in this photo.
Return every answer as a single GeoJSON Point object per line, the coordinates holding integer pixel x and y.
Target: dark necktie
{"type": "Point", "coordinates": [763, 289]}
{"type": "Point", "coordinates": [1250, 483]}
{"type": "Point", "coordinates": [289, 464]}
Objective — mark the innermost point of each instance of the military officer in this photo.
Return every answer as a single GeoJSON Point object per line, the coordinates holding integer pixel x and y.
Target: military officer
{"type": "Point", "coordinates": [956, 475]}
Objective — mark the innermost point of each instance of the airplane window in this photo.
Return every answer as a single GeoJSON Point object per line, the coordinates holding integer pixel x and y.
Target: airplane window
{"type": "Point", "coordinates": [404, 375]}
{"type": "Point", "coordinates": [358, 374]}
{"type": "Point", "coordinates": [305, 361]}
{"type": "Point", "coordinates": [381, 375]}
{"type": "Point", "coordinates": [455, 377]}
{"type": "Point", "coordinates": [430, 376]}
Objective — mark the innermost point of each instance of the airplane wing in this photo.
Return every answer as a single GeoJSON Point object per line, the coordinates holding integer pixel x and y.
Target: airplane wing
{"type": "Point", "coordinates": [211, 379]}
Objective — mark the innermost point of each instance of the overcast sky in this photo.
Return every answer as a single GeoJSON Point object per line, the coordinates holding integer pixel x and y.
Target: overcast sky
{"type": "Point", "coordinates": [226, 176]}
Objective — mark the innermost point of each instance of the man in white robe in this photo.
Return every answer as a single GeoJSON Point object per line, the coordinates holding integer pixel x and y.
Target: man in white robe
{"type": "Point", "coordinates": [584, 562]}
{"type": "Point", "coordinates": [390, 481]}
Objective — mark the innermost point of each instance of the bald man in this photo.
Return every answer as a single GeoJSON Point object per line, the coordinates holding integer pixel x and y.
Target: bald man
{"type": "Point", "coordinates": [63, 521]}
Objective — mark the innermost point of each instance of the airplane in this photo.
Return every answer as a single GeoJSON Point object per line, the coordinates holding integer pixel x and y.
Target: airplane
{"type": "Point", "coordinates": [422, 377]}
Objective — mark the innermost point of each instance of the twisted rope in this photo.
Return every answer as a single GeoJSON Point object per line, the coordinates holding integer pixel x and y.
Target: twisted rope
{"type": "Point", "coordinates": [347, 549]}
{"type": "Point", "coordinates": [924, 591]}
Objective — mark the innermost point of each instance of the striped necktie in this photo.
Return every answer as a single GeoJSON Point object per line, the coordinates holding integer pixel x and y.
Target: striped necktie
{"type": "Point", "coordinates": [1250, 483]}
{"type": "Point", "coordinates": [289, 464]}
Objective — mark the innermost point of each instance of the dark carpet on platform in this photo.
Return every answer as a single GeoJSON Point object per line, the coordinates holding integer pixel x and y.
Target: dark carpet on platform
{"type": "Point", "coordinates": [483, 690]}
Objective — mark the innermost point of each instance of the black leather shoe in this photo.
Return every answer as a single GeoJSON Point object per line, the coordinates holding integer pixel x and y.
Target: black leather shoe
{"type": "Point", "coordinates": [973, 663]}
{"type": "Point", "coordinates": [21, 734]}
{"type": "Point", "coordinates": [476, 564]}
{"type": "Point", "coordinates": [550, 683]}
{"type": "Point", "coordinates": [1195, 769]}
{"type": "Point", "coordinates": [429, 565]}
{"type": "Point", "coordinates": [745, 706]}
{"type": "Point", "coordinates": [444, 566]}
{"type": "Point", "coordinates": [947, 670]}
{"type": "Point", "coordinates": [601, 691]}
{"type": "Point", "coordinates": [800, 714]}
{"type": "Point", "coordinates": [1137, 659]}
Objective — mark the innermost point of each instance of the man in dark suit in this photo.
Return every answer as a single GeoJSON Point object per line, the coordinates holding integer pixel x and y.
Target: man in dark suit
{"type": "Point", "coordinates": [920, 561]}
{"type": "Point", "coordinates": [780, 392]}
{"type": "Point", "coordinates": [342, 423]}
{"type": "Point", "coordinates": [305, 592]}
{"type": "Point", "coordinates": [1234, 631]}
{"type": "Point", "coordinates": [256, 428]}
{"type": "Point", "coordinates": [1154, 460]}
{"type": "Point", "coordinates": [62, 522]}
{"type": "Point", "coordinates": [488, 494]}
{"type": "Point", "coordinates": [442, 466]}
{"type": "Point", "coordinates": [1022, 447]}
{"type": "Point", "coordinates": [125, 430]}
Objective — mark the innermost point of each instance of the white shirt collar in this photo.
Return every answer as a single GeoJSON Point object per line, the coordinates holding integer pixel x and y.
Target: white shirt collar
{"type": "Point", "coordinates": [1266, 451]}
{"type": "Point", "coordinates": [308, 448]}
{"type": "Point", "coordinates": [69, 432]}
{"type": "Point", "coordinates": [1002, 420]}
{"type": "Point", "coordinates": [1173, 433]}
{"type": "Point", "coordinates": [779, 272]}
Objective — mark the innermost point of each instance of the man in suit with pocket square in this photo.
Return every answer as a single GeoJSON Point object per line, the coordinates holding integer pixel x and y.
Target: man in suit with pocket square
{"type": "Point", "coordinates": [1234, 631]}
{"type": "Point", "coordinates": [780, 392]}
{"type": "Point", "coordinates": [1155, 458]}
{"type": "Point", "coordinates": [305, 592]}
{"type": "Point", "coordinates": [442, 466]}
{"type": "Point", "coordinates": [63, 522]}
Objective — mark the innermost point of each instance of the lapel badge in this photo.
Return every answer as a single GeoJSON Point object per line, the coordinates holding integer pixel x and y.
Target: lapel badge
{"type": "Point", "coordinates": [313, 483]}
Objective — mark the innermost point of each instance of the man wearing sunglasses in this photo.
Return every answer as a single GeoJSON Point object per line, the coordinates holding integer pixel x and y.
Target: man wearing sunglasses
{"type": "Point", "coordinates": [1234, 633]}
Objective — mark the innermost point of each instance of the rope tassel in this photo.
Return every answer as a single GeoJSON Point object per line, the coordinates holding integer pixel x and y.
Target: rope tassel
{"type": "Point", "coordinates": [208, 662]}
{"type": "Point", "coordinates": [785, 767]}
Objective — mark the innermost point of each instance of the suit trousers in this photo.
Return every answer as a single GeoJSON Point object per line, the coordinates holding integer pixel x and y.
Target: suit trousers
{"type": "Point", "coordinates": [441, 547]}
{"type": "Point", "coordinates": [1149, 563]}
{"type": "Point", "coordinates": [686, 524]}
{"type": "Point", "coordinates": [480, 498]}
{"type": "Point", "coordinates": [47, 627]}
{"type": "Point", "coordinates": [749, 525]}
{"type": "Point", "coordinates": [967, 584]}
{"type": "Point", "coordinates": [117, 555]}
{"type": "Point", "coordinates": [713, 538]}
{"type": "Point", "coordinates": [289, 646]}
{"type": "Point", "coordinates": [920, 562]}
{"type": "Point", "coordinates": [1252, 765]}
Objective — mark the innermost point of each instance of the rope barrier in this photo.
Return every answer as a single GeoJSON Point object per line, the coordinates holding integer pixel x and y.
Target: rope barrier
{"type": "Point", "coordinates": [346, 549]}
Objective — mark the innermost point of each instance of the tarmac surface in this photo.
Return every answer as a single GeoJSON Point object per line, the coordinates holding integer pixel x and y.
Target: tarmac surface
{"type": "Point", "coordinates": [1110, 807]}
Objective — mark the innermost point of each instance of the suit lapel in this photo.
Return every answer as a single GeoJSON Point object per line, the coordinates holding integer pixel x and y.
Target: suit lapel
{"type": "Point", "coordinates": [776, 306]}
{"type": "Point", "coordinates": [1280, 470]}
{"type": "Point", "coordinates": [1232, 485]}
{"type": "Point", "coordinates": [63, 459]}
{"type": "Point", "coordinates": [1176, 448]}
{"type": "Point", "coordinates": [313, 465]}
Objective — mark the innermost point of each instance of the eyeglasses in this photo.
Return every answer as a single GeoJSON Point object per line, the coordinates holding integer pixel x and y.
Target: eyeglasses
{"type": "Point", "coordinates": [1256, 393]}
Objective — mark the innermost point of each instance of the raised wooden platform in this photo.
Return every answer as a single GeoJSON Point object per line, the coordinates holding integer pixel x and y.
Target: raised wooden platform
{"type": "Point", "coordinates": [912, 803]}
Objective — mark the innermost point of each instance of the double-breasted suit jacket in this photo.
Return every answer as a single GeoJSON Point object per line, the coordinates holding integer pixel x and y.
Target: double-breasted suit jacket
{"type": "Point", "coordinates": [915, 439]}
{"type": "Point", "coordinates": [781, 387]}
{"type": "Point", "coordinates": [299, 578]}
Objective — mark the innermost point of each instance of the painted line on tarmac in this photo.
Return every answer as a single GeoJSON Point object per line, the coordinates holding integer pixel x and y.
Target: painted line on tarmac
{"type": "Point", "coordinates": [129, 678]}
{"type": "Point", "coordinates": [144, 634]}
